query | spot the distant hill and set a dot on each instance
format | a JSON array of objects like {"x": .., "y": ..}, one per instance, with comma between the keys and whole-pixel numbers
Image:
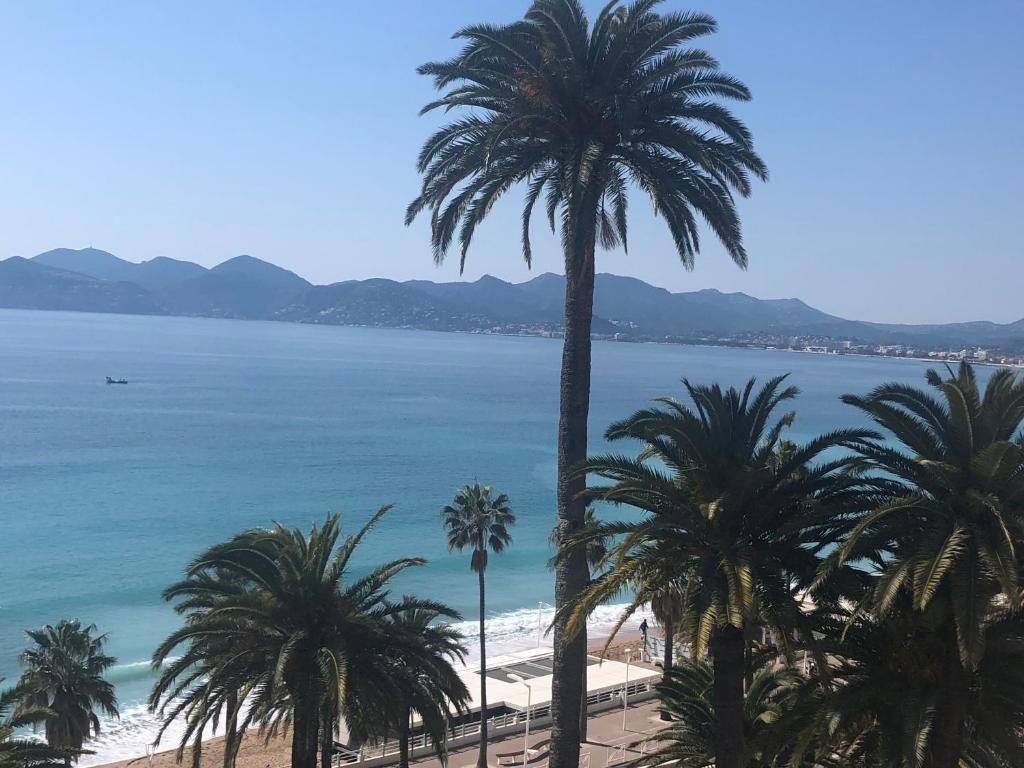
[
  {"x": 26, "y": 284},
  {"x": 245, "y": 287},
  {"x": 383, "y": 303},
  {"x": 493, "y": 298},
  {"x": 154, "y": 275}
]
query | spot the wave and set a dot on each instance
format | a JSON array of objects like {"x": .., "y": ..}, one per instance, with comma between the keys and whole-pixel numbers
[
  {"x": 133, "y": 734},
  {"x": 132, "y": 671},
  {"x": 529, "y": 628}
]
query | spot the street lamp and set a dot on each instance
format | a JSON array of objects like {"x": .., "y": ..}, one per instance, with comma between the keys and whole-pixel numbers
[
  {"x": 625, "y": 688},
  {"x": 540, "y": 623},
  {"x": 529, "y": 703}
]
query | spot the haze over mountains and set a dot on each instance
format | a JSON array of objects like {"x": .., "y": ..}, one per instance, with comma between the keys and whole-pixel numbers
[{"x": 91, "y": 280}]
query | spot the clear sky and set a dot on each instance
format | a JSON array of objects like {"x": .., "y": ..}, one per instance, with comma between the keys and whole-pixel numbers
[{"x": 288, "y": 131}]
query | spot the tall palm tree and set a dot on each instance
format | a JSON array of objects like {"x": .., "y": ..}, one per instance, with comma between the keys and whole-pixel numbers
[
  {"x": 667, "y": 606},
  {"x": 16, "y": 752},
  {"x": 952, "y": 525},
  {"x": 578, "y": 113},
  {"x": 294, "y": 624},
  {"x": 479, "y": 522},
  {"x": 725, "y": 517},
  {"x": 63, "y": 682}
]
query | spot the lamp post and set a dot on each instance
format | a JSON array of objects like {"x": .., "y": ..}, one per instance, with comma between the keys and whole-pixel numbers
[
  {"x": 529, "y": 703},
  {"x": 625, "y": 688}
]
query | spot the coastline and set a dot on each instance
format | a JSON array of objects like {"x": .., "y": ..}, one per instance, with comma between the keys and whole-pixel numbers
[{"x": 548, "y": 335}]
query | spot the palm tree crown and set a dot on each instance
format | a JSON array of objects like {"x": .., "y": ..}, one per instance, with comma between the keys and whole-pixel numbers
[
  {"x": 63, "y": 681},
  {"x": 726, "y": 518},
  {"x": 954, "y": 519},
  {"x": 427, "y": 682},
  {"x": 876, "y": 698},
  {"x": 948, "y": 527},
  {"x": 580, "y": 112},
  {"x": 22, "y": 753},
  {"x": 731, "y": 523},
  {"x": 479, "y": 522},
  {"x": 272, "y": 618}
]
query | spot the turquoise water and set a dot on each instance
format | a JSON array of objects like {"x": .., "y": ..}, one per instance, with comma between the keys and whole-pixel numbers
[{"x": 107, "y": 491}]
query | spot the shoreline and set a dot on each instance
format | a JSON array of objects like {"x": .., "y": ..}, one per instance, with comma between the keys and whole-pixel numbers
[{"x": 553, "y": 335}]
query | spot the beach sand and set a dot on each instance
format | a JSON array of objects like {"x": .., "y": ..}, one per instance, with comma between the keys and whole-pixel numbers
[{"x": 256, "y": 752}]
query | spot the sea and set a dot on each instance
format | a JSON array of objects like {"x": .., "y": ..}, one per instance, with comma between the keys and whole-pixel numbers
[{"x": 107, "y": 491}]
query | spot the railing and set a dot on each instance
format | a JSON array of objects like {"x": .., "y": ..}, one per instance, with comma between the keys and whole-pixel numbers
[{"x": 381, "y": 751}]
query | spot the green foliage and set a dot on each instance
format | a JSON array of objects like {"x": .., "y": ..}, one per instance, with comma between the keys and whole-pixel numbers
[
  {"x": 427, "y": 683},
  {"x": 479, "y": 522},
  {"x": 952, "y": 521},
  {"x": 728, "y": 523},
  {"x": 893, "y": 562},
  {"x": 578, "y": 112},
  {"x": 16, "y": 752},
  {"x": 277, "y": 633},
  {"x": 63, "y": 687},
  {"x": 685, "y": 696},
  {"x": 875, "y": 702}
]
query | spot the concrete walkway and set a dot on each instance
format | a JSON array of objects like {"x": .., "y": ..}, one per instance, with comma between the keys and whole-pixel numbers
[{"x": 607, "y": 744}]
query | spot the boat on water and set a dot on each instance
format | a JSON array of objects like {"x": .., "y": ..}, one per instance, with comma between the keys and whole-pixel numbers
[{"x": 112, "y": 380}]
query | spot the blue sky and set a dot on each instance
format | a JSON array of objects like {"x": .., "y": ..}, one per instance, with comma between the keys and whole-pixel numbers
[{"x": 289, "y": 131}]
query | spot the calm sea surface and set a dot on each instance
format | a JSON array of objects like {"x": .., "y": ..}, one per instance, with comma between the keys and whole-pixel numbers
[{"x": 107, "y": 491}]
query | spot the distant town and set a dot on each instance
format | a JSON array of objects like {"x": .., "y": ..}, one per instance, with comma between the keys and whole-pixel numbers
[{"x": 767, "y": 341}]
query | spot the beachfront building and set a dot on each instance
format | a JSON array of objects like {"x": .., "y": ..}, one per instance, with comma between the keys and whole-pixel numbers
[{"x": 519, "y": 697}]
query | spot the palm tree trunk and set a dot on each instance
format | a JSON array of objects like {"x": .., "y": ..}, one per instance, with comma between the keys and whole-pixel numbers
[
  {"x": 231, "y": 737},
  {"x": 748, "y": 664},
  {"x": 326, "y": 735},
  {"x": 583, "y": 694},
  {"x": 403, "y": 740},
  {"x": 572, "y": 572},
  {"x": 947, "y": 739},
  {"x": 305, "y": 734},
  {"x": 727, "y": 648},
  {"x": 666, "y": 662},
  {"x": 481, "y": 760}
]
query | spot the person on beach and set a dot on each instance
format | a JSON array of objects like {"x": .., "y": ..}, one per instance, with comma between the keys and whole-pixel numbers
[{"x": 643, "y": 634}]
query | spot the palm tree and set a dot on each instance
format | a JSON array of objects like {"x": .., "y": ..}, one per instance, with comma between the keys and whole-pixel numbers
[
  {"x": 726, "y": 518},
  {"x": 951, "y": 525},
  {"x": 428, "y": 683},
  {"x": 579, "y": 113},
  {"x": 689, "y": 742},
  {"x": 209, "y": 658},
  {"x": 273, "y": 620},
  {"x": 479, "y": 522},
  {"x": 63, "y": 683},
  {"x": 874, "y": 702},
  {"x": 23, "y": 753},
  {"x": 667, "y": 607}
]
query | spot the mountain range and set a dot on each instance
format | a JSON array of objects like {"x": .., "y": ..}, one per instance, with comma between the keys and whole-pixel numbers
[{"x": 92, "y": 280}]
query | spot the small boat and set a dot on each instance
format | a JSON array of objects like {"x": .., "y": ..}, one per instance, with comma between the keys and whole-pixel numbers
[{"x": 111, "y": 380}]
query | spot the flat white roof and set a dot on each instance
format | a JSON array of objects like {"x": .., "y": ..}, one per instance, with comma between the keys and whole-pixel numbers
[{"x": 534, "y": 666}]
